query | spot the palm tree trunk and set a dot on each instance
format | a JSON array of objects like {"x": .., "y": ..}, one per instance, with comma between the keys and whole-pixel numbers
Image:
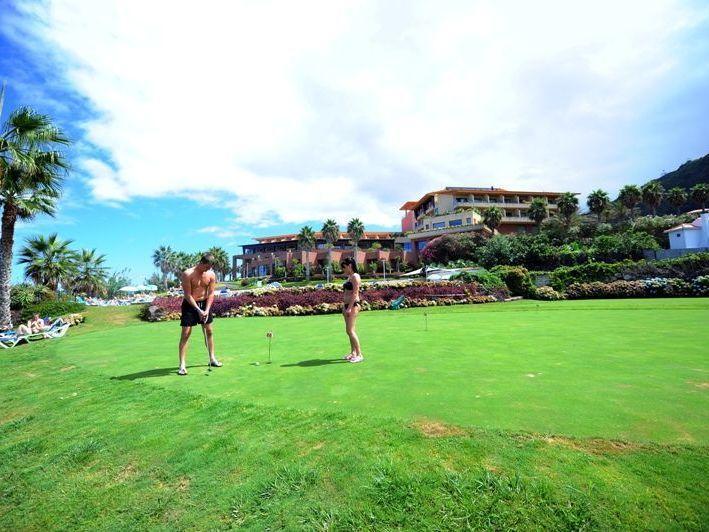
[
  {"x": 7, "y": 238},
  {"x": 329, "y": 263}
]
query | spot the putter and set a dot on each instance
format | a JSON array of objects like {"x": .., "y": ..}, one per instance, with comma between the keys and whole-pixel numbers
[{"x": 206, "y": 345}]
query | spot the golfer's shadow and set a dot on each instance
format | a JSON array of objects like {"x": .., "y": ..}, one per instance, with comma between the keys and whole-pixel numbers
[
  {"x": 157, "y": 372},
  {"x": 314, "y": 362}
]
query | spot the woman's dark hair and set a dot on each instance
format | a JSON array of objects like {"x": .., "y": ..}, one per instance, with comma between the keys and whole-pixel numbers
[{"x": 349, "y": 261}]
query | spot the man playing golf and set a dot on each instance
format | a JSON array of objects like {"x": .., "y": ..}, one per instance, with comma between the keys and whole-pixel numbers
[{"x": 198, "y": 287}]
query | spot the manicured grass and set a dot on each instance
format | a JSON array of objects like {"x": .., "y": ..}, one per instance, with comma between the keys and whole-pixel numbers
[
  {"x": 634, "y": 370},
  {"x": 96, "y": 432}
]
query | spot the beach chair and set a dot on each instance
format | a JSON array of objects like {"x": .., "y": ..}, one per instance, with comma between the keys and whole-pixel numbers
[
  {"x": 397, "y": 303},
  {"x": 56, "y": 331}
]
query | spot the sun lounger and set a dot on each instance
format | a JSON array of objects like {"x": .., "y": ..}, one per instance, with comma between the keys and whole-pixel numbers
[
  {"x": 57, "y": 329},
  {"x": 397, "y": 303}
]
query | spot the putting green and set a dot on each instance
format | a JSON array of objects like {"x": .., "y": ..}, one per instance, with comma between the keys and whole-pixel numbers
[{"x": 628, "y": 369}]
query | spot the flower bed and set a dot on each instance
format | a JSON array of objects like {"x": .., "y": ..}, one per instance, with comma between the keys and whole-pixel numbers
[
  {"x": 656, "y": 287},
  {"x": 302, "y": 301}
]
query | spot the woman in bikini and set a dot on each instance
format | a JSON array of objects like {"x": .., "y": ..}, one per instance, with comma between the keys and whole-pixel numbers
[{"x": 351, "y": 306}]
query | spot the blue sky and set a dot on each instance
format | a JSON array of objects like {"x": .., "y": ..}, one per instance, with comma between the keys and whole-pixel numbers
[{"x": 229, "y": 120}]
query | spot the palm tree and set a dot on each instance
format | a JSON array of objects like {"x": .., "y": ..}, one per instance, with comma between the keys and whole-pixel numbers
[
  {"x": 48, "y": 261},
  {"x": 568, "y": 205},
  {"x": 30, "y": 182},
  {"x": 90, "y": 276},
  {"x": 221, "y": 261},
  {"x": 537, "y": 210},
  {"x": 597, "y": 202},
  {"x": 677, "y": 197},
  {"x": 700, "y": 194},
  {"x": 652, "y": 195},
  {"x": 492, "y": 217},
  {"x": 629, "y": 196},
  {"x": 306, "y": 242},
  {"x": 355, "y": 229},
  {"x": 331, "y": 233},
  {"x": 162, "y": 258},
  {"x": 180, "y": 261}
]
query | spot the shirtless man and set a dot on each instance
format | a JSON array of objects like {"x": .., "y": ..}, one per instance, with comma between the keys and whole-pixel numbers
[{"x": 198, "y": 287}]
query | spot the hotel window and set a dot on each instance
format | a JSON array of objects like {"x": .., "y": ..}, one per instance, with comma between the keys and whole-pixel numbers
[
  {"x": 468, "y": 221},
  {"x": 407, "y": 246},
  {"x": 455, "y": 223},
  {"x": 461, "y": 200},
  {"x": 439, "y": 225}
]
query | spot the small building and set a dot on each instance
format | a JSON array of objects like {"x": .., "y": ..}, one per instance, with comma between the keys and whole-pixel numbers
[{"x": 690, "y": 236}]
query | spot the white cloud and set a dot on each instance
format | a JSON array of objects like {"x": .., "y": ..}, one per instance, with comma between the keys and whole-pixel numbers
[
  {"x": 290, "y": 111},
  {"x": 217, "y": 231}
]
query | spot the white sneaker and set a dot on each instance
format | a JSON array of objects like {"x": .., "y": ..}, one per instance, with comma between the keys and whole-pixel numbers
[{"x": 356, "y": 358}]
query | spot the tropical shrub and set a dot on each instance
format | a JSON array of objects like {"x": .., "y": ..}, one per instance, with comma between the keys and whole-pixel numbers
[
  {"x": 52, "y": 309},
  {"x": 448, "y": 248},
  {"x": 23, "y": 295},
  {"x": 486, "y": 279},
  {"x": 621, "y": 246},
  {"x": 517, "y": 279},
  {"x": 656, "y": 225},
  {"x": 585, "y": 273}
]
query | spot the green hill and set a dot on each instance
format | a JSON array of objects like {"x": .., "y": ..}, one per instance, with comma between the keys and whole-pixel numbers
[{"x": 686, "y": 176}]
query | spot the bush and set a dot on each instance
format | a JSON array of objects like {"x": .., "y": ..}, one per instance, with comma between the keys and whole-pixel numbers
[
  {"x": 656, "y": 225},
  {"x": 23, "y": 295},
  {"x": 687, "y": 267},
  {"x": 517, "y": 280},
  {"x": 585, "y": 273},
  {"x": 448, "y": 248},
  {"x": 52, "y": 309},
  {"x": 621, "y": 246},
  {"x": 657, "y": 287},
  {"x": 489, "y": 281},
  {"x": 547, "y": 293}
]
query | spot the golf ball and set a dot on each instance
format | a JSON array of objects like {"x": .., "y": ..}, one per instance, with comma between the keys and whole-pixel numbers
[{"x": 257, "y": 364}]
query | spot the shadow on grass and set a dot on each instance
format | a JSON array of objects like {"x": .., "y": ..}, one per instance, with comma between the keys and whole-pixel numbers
[
  {"x": 314, "y": 362},
  {"x": 157, "y": 372}
]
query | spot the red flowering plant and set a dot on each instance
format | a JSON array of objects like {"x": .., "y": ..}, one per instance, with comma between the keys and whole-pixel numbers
[{"x": 329, "y": 299}]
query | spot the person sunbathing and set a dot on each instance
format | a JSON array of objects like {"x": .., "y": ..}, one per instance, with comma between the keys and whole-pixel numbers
[{"x": 35, "y": 325}]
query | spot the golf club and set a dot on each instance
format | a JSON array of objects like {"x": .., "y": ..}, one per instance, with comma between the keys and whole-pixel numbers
[{"x": 206, "y": 345}]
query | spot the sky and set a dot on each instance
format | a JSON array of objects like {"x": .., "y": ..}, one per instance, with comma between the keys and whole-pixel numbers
[{"x": 208, "y": 123}]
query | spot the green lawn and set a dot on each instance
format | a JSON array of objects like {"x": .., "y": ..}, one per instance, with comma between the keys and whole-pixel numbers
[{"x": 565, "y": 415}]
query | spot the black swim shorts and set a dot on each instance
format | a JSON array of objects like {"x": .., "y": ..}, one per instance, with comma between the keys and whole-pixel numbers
[{"x": 190, "y": 317}]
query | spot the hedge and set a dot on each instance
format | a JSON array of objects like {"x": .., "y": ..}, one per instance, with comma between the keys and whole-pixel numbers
[
  {"x": 687, "y": 267},
  {"x": 52, "y": 309},
  {"x": 309, "y": 300},
  {"x": 656, "y": 287}
]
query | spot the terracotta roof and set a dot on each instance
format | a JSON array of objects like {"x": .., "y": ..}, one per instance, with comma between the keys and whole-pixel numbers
[
  {"x": 681, "y": 226},
  {"x": 410, "y": 205},
  {"x": 368, "y": 235}
]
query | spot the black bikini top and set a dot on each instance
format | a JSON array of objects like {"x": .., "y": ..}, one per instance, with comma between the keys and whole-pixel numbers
[{"x": 347, "y": 285}]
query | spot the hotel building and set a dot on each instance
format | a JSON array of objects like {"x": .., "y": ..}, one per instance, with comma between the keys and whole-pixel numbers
[
  {"x": 450, "y": 210},
  {"x": 459, "y": 210},
  {"x": 271, "y": 251}
]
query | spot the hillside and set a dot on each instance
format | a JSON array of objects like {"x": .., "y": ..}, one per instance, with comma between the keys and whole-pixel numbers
[{"x": 686, "y": 176}]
